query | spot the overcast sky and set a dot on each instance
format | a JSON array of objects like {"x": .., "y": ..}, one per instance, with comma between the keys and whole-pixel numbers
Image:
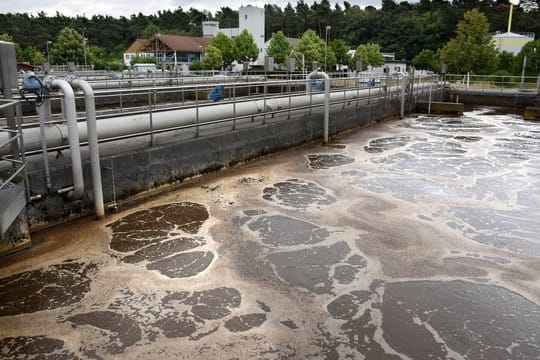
[{"x": 119, "y": 8}]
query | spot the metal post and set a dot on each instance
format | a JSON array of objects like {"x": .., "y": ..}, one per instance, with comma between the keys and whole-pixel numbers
[
  {"x": 234, "y": 106},
  {"x": 289, "y": 114},
  {"x": 197, "y": 111},
  {"x": 18, "y": 120},
  {"x": 344, "y": 96},
  {"x": 523, "y": 71},
  {"x": 264, "y": 103},
  {"x": 328, "y": 27},
  {"x": 357, "y": 91},
  {"x": 429, "y": 101},
  {"x": 402, "y": 110},
  {"x": 151, "y": 118},
  {"x": 48, "y": 55}
]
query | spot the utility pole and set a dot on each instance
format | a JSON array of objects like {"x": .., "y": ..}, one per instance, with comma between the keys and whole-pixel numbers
[
  {"x": 47, "y": 43},
  {"x": 328, "y": 27}
]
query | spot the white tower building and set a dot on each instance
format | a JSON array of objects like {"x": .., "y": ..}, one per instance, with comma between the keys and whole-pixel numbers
[{"x": 251, "y": 18}]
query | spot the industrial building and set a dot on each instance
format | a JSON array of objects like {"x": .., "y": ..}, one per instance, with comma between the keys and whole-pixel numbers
[{"x": 177, "y": 52}]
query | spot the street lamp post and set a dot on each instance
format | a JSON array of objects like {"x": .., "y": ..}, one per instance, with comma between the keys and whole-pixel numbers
[
  {"x": 84, "y": 51},
  {"x": 156, "y": 52},
  {"x": 328, "y": 27},
  {"x": 47, "y": 43}
]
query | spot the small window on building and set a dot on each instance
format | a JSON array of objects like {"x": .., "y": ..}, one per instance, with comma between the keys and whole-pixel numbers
[{"x": 245, "y": 16}]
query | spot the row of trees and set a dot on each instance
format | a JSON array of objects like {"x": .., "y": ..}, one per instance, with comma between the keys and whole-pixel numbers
[
  {"x": 469, "y": 50},
  {"x": 405, "y": 28},
  {"x": 222, "y": 51}
]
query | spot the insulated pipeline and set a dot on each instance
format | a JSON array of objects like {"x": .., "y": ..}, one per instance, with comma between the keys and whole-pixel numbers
[{"x": 126, "y": 125}]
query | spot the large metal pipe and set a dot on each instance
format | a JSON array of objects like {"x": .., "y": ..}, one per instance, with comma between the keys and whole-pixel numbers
[
  {"x": 73, "y": 136},
  {"x": 90, "y": 108},
  {"x": 44, "y": 114},
  {"x": 326, "y": 78},
  {"x": 132, "y": 124}
]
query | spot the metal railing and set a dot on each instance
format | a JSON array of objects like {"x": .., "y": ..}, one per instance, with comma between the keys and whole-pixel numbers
[
  {"x": 368, "y": 93},
  {"x": 14, "y": 167},
  {"x": 493, "y": 83}
]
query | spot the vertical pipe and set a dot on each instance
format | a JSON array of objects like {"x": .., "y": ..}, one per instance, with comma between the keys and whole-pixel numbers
[
  {"x": 44, "y": 113},
  {"x": 93, "y": 147},
  {"x": 73, "y": 137},
  {"x": 326, "y": 100},
  {"x": 326, "y": 106},
  {"x": 402, "y": 109}
]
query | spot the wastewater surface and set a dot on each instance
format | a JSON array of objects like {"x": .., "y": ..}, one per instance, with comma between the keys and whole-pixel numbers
[{"x": 411, "y": 239}]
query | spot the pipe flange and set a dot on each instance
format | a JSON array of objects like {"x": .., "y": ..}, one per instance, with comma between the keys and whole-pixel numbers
[{"x": 47, "y": 82}]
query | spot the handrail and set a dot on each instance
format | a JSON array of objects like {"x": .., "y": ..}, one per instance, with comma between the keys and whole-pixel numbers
[{"x": 14, "y": 136}]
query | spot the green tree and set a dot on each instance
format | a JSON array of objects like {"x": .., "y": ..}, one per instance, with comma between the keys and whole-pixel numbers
[
  {"x": 312, "y": 47},
  {"x": 472, "y": 49},
  {"x": 68, "y": 46},
  {"x": 341, "y": 51},
  {"x": 212, "y": 58},
  {"x": 195, "y": 65},
  {"x": 279, "y": 48},
  {"x": 290, "y": 20},
  {"x": 227, "y": 17},
  {"x": 532, "y": 51},
  {"x": 273, "y": 20},
  {"x": 369, "y": 54},
  {"x": 245, "y": 48},
  {"x": 225, "y": 46},
  {"x": 427, "y": 60},
  {"x": 33, "y": 56},
  {"x": 507, "y": 62},
  {"x": 150, "y": 30}
]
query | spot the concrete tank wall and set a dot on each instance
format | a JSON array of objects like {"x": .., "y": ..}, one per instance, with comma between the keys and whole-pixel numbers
[{"x": 141, "y": 170}]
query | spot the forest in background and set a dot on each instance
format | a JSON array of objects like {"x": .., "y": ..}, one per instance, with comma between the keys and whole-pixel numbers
[{"x": 404, "y": 28}]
